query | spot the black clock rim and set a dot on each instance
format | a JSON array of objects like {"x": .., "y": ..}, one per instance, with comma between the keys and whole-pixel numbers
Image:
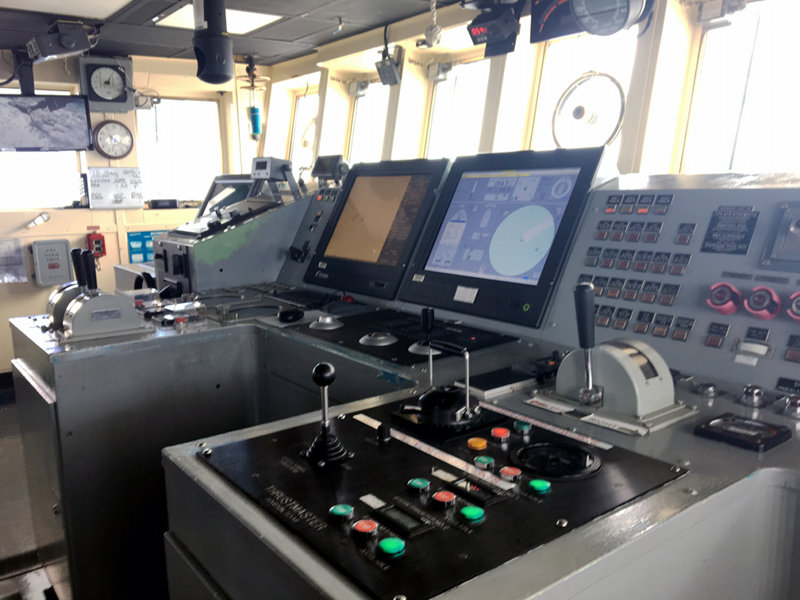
[
  {"x": 97, "y": 128},
  {"x": 91, "y": 68}
]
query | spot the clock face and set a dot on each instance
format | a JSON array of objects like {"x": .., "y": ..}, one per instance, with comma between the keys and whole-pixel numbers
[
  {"x": 113, "y": 139},
  {"x": 107, "y": 83}
]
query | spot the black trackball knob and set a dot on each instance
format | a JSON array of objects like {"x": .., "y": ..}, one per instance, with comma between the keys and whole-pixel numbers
[{"x": 323, "y": 374}]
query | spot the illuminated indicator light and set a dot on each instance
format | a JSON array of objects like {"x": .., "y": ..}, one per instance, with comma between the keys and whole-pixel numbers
[
  {"x": 484, "y": 462},
  {"x": 473, "y": 338},
  {"x": 445, "y": 498},
  {"x": 522, "y": 427},
  {"x": 392, "y": 546},
  {"x": 642, "y": 211},
  {"x": 341, "y": 511},
  {"x": 365, "y": 526},
  {"x": 539, "y": 486},
  {"x": 526, "y": 307},
  {"x": 510, "y": 473},
  {"x": 501, "y": 434},
  {"x": 419, "y": 483},
  {"x": 473, "y": 514},
  {"x": 477, "y": 443}
]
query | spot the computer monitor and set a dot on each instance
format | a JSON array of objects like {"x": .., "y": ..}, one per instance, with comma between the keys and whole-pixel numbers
[
  {"x": 499, "y": 234},
  {"x": 374, "y": 228},
  {"x": 44, "y": 123}
]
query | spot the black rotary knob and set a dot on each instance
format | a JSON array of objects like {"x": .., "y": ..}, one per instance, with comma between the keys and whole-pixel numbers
[{"x": 323, "y": 374}]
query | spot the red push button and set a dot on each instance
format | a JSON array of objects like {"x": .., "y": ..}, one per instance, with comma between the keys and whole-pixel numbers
[
  {"x": 444, "y": 498},
  {"x": 500, "y": 434}
]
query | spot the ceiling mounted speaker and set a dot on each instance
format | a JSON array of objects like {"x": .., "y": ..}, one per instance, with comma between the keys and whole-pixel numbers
[
  {"x": 212, "y": 46},
  {"x": 589, "y": 112}
]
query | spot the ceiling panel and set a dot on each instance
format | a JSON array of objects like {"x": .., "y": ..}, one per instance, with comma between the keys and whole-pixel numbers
[
  {"x": 294, "y": 29},
  {"x": 127, "y": 27},
  {"x": 92, "y": 9}
]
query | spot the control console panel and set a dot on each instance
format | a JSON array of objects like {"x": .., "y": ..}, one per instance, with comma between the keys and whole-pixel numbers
[
  {"x": 704, "y": 269},
  {"x": 412, "y": 512}
]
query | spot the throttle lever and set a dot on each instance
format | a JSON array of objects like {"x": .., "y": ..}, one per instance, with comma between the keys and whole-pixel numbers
[
  {"x": 453, "y": 348},
  {"x": 80, "y": 274},
  {"x": 584, "y": 313},
  {"x": 89, "y": 271},
  {"x": 427, "y": 321}
]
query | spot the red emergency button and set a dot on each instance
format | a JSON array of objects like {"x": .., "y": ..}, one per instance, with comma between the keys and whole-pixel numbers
[
  {"x": 444, "y": 499},
  {"x": 510, "y": 473},
  {"x": 500, "y": 434},
  {"x": 365, "y": 527}
]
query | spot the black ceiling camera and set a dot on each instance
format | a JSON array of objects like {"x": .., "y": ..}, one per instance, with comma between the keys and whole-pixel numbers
[
  {"x": 213, "y": 48},
  {"x": 497, "y": 26}
]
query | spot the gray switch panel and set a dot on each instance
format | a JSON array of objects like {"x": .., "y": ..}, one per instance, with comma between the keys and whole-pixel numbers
[
  {"x": 51, "y": 262},
  {"x": 706, "y": 269}
]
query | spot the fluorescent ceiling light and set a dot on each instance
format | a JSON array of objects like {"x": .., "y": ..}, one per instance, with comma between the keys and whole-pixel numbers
[
  {"x": 90, "y": 9},
  {"x": 239, "y": 21}
]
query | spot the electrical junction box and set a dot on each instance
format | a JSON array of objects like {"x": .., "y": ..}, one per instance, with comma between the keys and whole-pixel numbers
[{"x": 51, "y": 262}]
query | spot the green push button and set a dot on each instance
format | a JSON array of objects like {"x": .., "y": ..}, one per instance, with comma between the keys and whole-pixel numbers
[
  {"x": 341, "y": 511},
  {"x": 522, "y": 427},
  {"x": 539, "y": 486},
  {"x": 392, "y": 547},
  {"x": 484, "y": 462},
  {"x": 473, "y": 514},
  {"x": 419, "y": 483}
]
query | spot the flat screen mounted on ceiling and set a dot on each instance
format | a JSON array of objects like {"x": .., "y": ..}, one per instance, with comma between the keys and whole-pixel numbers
[{"x": 44, "y": 123}]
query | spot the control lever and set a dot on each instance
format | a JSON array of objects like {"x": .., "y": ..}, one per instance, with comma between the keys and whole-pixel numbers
[
  {"x": 584, "y": 312},
  {"x": 89, "y": 271},
  {"x": 77, "y": 263},
  {"x": 469, "y": 410},
  {"x": 326, "y": 449},
  {"x": 427, "y": 321}
]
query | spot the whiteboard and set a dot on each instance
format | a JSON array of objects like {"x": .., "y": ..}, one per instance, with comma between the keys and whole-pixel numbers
[{"x": 115, "y": 187}]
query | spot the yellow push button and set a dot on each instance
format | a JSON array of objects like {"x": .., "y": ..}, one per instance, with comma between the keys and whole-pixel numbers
[{"x": 477, "y": 444}]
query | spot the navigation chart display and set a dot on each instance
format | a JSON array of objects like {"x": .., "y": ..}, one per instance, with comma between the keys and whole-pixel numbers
[{"x": 500, "y": 225}]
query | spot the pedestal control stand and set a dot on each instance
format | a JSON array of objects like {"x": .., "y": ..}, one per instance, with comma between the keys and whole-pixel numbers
[
  {"x": 326, "y": 449},
  {"x": 60, "y": 299},
  {"x": 584, "y": 313}
]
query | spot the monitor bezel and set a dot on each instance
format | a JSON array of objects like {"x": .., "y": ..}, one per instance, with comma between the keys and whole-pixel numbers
[
  {"x": 73, "y": 97},
  {"x": 369, "y": 279},
  {"x": 509, "y": 302}
]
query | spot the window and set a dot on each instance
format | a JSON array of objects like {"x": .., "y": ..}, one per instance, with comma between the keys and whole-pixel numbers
[
  {"x": 39, "y": 179},
  {"x": 369, "y": 124},
  {"x": 742, "y": 114},
  {"x": 304, "y": 129},
  {"x": 565, "y": 60},
  {"x": 457, "y": 115},
  {"x": 179, "y": 148}
]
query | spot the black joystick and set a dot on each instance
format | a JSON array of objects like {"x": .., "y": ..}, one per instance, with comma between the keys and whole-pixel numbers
[
  {"x": 89, "y": 271},
  {"x": 326, "y": 449},
  {"x": 77, "y": 263},
  {"x": 584, "y": 313}
]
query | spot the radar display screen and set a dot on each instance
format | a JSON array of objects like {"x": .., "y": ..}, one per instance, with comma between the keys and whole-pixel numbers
[
  {"x": 501, "y": 225},
  {"x": 375, "y": 226},
  {"x": 499, "y": 234},
  {"x": 377, "y": 218}
]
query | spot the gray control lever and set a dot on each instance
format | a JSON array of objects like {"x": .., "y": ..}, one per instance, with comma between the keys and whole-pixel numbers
[
  {"x": 452, "y": 348},
  {"x": 584, "y": 313}
]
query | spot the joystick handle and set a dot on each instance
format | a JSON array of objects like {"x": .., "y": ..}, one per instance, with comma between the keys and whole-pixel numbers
[
  {"x": 427, "y": 322},
  {"x": 584, "y": 312},
  {"x": 77, "y": 263},
  {"x": 89, "y": 270},
  {"x": 323, "y": 374}
]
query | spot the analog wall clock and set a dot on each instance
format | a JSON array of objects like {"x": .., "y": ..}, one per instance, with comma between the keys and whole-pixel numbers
[
  {"x": 107, "y": 83},
  {"x": 112, "y": 139}
]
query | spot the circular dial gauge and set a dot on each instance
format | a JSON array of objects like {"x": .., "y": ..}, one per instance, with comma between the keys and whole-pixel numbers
[
  {"x": 113, "y": 139},
  {"x": 107, "y": 83},
  {"x": 606, "y": 17}
]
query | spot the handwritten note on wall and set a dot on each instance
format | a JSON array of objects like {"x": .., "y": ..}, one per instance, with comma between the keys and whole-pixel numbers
[{"x": 112, "y": 187}]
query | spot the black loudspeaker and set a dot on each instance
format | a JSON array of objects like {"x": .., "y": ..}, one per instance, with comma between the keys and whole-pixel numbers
[{"x": 212, "y": 46}]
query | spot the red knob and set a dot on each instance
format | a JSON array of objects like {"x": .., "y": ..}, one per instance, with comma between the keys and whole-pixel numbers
[
  {"x": 724, "y": 298},
  {"x": 763, "y": 303},
  {"x": 794, "y": 307}
]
